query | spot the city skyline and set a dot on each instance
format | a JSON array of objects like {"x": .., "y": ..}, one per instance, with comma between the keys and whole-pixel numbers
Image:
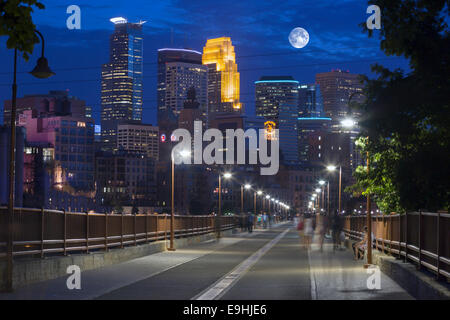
[{"x": 268, "y": 53}]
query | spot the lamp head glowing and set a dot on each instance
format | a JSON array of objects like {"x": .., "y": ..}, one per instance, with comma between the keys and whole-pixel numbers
[
  {"x": 348, "y": 123},
  {"x": 185, "y": 153},
  {"x": 247, "y": 186},
  {"x": 259, "y": 192},
  {"x": 318, "y": 190},
  {"x": 118, "y": 20},
  {"x": 267, "y": 197},
  {"x": 227, "y": 175},
  {"x": 331, "y": 168},
  {"x": 322, "y": 182}
]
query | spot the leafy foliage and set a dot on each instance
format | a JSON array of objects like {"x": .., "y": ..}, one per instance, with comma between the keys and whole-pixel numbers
[
  {"x": 17, "y": 24},
  {"x": 406, "y": 115}
]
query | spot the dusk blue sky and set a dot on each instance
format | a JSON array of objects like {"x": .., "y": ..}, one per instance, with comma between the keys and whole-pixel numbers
[{"x": 258, "y": 29}]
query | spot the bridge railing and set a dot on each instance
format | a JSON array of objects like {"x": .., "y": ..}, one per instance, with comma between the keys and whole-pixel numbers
[
  {"x": 419, "y": 237},
  {"x": 42, "y": 232}
]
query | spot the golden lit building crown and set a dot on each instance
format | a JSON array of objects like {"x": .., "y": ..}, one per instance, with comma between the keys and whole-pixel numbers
[{"x": 221, "y": 52}]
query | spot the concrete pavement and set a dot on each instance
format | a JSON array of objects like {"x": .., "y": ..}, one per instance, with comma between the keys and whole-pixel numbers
[{"x": 266, "y": 265}]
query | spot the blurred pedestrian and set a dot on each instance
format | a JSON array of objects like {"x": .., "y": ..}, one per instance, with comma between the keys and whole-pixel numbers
[
  {"x": 250, "y": 219},
  {"x": 308, "y": 231}
]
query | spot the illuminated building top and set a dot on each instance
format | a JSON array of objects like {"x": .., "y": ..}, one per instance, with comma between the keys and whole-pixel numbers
[
  {"x": 118, "y": 20},
  {"x": 220, "y": 52}
]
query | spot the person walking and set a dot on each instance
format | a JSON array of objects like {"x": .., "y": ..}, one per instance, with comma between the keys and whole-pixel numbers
[
  {"x": 336, "y": 231},
  {"x": 301, "y": 230},
  {"x": 308, "y": 231},
  {"x": 250, "y": 219},
  {"x": 323, "y": 227}
]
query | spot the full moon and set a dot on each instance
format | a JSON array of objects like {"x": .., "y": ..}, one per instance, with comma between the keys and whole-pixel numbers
[{"x": 299, "y": 38}]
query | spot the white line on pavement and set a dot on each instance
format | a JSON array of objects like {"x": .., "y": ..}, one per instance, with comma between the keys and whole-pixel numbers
[
  {"x": 312, "y": 276},
  {"x": 219, "y": 288}
]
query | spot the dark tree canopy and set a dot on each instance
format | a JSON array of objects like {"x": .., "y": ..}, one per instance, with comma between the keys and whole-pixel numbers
[
  {"x": 16, "y": 23},
  {"x": 407, "y": 115}
]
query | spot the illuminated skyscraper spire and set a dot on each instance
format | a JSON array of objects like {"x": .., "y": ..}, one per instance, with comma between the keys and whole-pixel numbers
[
  {"x": 122, "y": 80},
  {"x": 220, "y": 57}
]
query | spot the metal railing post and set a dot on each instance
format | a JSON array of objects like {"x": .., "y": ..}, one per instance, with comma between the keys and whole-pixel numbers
[
  {"x": 106, "y": 231},
  {"x": 420, "y": 240},
  {"x": 121, "y": 229},
  {"x": 146, "y": 227},
  {"x": 391, "y": 233},
  {"x": 399, "y": 236},
  {"x": 406, "y": 237},
  {"x": 384, "y": 232},
  {"x": 65, "y": 232},
  {"x": 42, "y": 231},
  {"x": 87, "y": 232},
  {"x": 165, "y": 227},
  {"x": 438, "y": 246},
  {"x": 134, "y": 229}
]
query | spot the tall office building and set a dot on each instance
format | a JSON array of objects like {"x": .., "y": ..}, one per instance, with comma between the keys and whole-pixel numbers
[
  {"x": 223, "y": 76},
  {"x": 122, "y": 80},
  {"x": 277, "y": 101},
  {"x": 273, "y": 91},
  {"x": 178, "y": 71},
  {"x": 336, "y": 87},
  {"x": 310, "y": 102}
]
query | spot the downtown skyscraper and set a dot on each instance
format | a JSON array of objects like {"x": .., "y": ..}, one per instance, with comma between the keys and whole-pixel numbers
[
  {"x": 336, "y": 88},
  {"x": 277, "y": 101},
  {"x": 180, "y": 70},
  {"x": 122, "y": 77},
  {"x": 223, "y": 77}
]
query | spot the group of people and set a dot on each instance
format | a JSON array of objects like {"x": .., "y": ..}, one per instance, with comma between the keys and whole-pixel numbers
[
  {"x": 310, "y": 224},
  {"x": 248, "y": 221}
]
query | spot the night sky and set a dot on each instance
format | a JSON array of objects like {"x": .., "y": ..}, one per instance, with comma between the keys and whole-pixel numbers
[{"x": 258, "y": 29}]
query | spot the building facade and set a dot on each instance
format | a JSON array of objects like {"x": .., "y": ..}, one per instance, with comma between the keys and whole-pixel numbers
[
  {"x": 55, "y": 103},
  {"x": 336, "y": 88},
  {"x": 139, "y": 138},
  {"x": 68, "y": 153},
  {"x": 277, "y": 101},
  {"x": 5, "y": 136},
  {"x": 310, "y": 102},
  {"x": 178, "y": 71},
  {"x": 223, "y": 77},
  {"x": 122, "y": 78}
]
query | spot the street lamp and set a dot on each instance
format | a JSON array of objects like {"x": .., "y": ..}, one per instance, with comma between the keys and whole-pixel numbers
[
  {"x": 41, "y": 71},
  {"x": 246, "y": 186},
  {"x": 226, "y": 175},
  {"x": 332, "y": 168},
  {"x": 348, "y": 123},
  {"x": 183, "y": 154}
]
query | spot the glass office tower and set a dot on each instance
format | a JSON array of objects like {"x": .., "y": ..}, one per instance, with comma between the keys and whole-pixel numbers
[{"x": 122, "y": 77}]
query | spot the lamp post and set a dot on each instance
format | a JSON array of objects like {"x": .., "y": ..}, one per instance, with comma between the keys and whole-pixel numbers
[
  {"x": 226, "y": 175},
  {"x": 183, "y": 154},
  {"x": 318, "y": 191},
  {"x": 246, "y": 186},
  {"x": 350, "y": 123},
  {"x": 259, "y": 193},
  {"x": 254, "y": 202},
  {"x": 333, "y": 168},
  {"x": 41, "y": 71}
]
